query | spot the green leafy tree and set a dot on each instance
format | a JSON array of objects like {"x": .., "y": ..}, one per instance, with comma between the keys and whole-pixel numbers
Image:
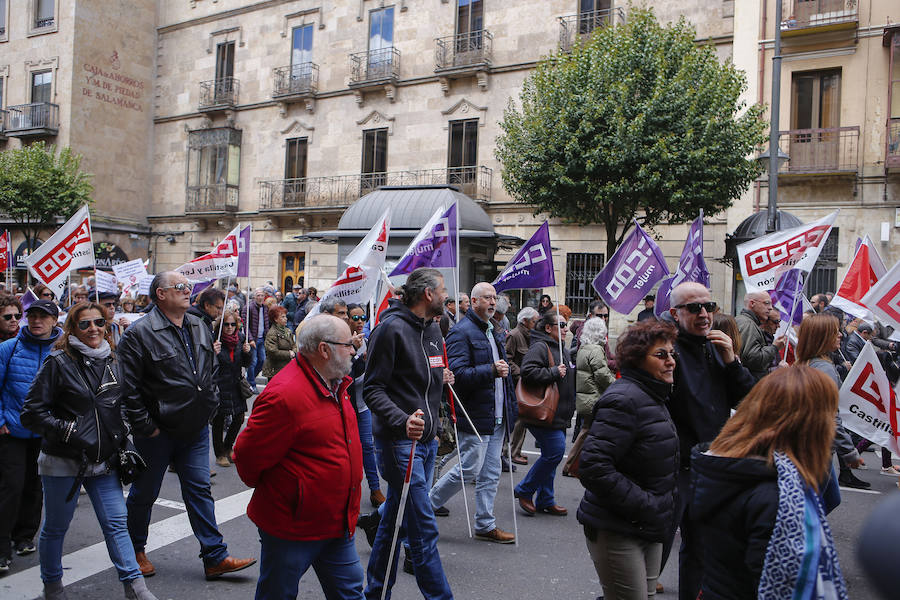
[
  {"x": 637, "y": 122},
  {"x": 38, "y": 185}
]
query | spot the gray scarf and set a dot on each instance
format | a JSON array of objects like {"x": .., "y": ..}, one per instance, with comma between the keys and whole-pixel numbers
[{"x": 95, "y": 353}]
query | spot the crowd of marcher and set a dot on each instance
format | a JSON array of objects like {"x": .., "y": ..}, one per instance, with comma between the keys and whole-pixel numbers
[{"x": 699, "y": 423}]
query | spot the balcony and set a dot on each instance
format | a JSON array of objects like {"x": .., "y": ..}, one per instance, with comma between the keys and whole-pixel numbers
[
  {"x": 573, "y": 28},
  {"x": 818, "y": 16},
  {"x": 219, "y": 94},
  {"x": 374, "y": 67},
  {"x": 215, "y": 198},
  {"x": 466, "y": 51},
  {"x": 340, "y": 191},
  {"x": 892, "y": 157},
  {"x": 37, "y": 119},
  {"x": 832, "y": 151},
  {"x": 296, "y": 81}
]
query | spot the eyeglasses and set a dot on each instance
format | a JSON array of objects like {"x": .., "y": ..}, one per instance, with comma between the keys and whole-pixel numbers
[
  {"x": 665, "y": 354},
  {"x": 696, "y": 307},
  {"x": 358, "y": 317},
  {"x": 9, "y": 316},
  {"x": 108, "y": 304},
  {"x": 85, "y": 324},
  {"x": 46, "y": 294},
  {"x": 230, "y": 324},
  {"x": 348, "y": 344},
  {"x": 181, "y": 287}
]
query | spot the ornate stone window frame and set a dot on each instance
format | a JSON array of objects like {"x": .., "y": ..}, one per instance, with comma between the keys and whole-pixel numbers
[
  {"x": 4, "y": 85},
  {"x": 375, "y": 120},
  {"x": 287, "y": 26},
  {"x": 31, "y": 30},
  {"x": 227, "y": 36},
  {"x": 43, "y": 64},
  {"x": 379, "y": 4},
  {"x": 465, "y": 109},
  {"x": 297, "y": 129}
]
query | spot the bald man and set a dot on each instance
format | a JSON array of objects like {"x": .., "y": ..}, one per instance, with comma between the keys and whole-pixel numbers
[{"x": 756, "y": 354}]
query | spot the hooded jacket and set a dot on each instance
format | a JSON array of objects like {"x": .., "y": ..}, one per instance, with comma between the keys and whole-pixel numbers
[
  {"x": 404, "y": 372},
  {"x": 20, "y": 360},
  {"x": 536, "y": 372},
  {"x": 734, "y": 507},
  {"x": 629, "y": 460}
]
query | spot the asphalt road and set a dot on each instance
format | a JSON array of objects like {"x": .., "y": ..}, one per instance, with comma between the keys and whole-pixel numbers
[{"x": 549, "y": 562}]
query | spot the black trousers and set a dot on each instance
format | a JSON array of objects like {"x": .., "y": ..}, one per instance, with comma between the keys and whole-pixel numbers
[
  {"x": 222, "y": 445},
  {"x": 21, "y": 493},
  {"x": 690, "y": 555}
]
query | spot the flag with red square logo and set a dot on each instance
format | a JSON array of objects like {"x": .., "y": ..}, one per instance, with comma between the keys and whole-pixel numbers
[
  {"x": 883, "y": 298},
  {"x": 867, "y": 404},
  {"x": 5, "y": 259},
  {"x": 68, "y": 249}
]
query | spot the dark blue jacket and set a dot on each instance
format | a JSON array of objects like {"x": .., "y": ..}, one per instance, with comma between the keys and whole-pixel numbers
[
  {"x": 20, "y": 360},
  {"x": 472, "y": 363}
]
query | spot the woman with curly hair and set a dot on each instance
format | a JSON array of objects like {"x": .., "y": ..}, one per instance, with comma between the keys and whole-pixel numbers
[
  {"x": 280, "y": 345},
  {"x": 628, "y": 465}
]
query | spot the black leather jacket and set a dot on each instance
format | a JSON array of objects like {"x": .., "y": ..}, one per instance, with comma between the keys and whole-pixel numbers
[
  {"x": 74, "y": 404},
  {"x": 160, "y": 387}
]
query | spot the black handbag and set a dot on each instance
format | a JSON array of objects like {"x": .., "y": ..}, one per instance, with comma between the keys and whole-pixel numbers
[{"x": 130, "y": 463}]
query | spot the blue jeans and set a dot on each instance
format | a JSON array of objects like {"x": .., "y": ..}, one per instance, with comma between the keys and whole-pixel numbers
[
  {"x": 421, "y": 528},
  {"x": 481, "y": 464},
  {"x": 109, "y": 506},
  {"x": 370, "y": 463},
  {"x": 283, "y": 562},
  {"x": 191, "y": 460},
  {"x": 257, "y": 358},
  {"x": 540, "y": 477}
]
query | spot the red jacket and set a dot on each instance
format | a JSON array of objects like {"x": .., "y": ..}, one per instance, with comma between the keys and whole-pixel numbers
[{"x": 301, "y": 451}]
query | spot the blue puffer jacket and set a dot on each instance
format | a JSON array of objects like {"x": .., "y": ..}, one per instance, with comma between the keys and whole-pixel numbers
[{"x": 20, "y": 360}]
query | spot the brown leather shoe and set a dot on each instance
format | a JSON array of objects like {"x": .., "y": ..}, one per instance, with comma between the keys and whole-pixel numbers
[
  {"x": 520, "y": 460},
  {"x": 229, "y": 564},
  {"x": 659, "y": 588},
  {"x": 147, "y": 568},
  {"x": 526, "y": 505},
  {"x": 376, "y": 498},
  {"x": 496, "y": 535},
  {"x": 556, "y": 510}
]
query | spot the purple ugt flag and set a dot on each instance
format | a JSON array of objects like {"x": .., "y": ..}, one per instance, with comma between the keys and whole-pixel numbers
[
  {"x": 433, "y": 246},
  {"x": 243, "y": 269},
  {"x": 787, "y": 296},
  {"x": 531, "y": 267},
  {"x": 691, "y": 267},
  {"x": 632, "y": 272}
]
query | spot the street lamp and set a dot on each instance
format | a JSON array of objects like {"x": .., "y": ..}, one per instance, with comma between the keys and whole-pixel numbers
[
  {"x": 774, "y": 152},
  {"x": 764, "y": 159}
]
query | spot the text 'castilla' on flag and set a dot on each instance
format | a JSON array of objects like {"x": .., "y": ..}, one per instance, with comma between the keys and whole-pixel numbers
[
  {"x": 867, "y": 403},
  {"x": 69, "y": 248},
  {"x": 220, "y": 263},
  {"x": 631, "y": 273},
  {"x": 531, "y": 267}
]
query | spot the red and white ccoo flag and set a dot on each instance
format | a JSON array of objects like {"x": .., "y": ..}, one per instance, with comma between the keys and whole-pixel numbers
[
  {"x": 864, "y": 272},
  {"x": 69, "y": 248},
  {"x": 883, "y": 298},
  {"x": 867, "y": 403}
]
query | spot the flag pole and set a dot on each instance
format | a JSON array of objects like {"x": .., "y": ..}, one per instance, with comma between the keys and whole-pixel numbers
[
  {"x": 558, "y": 326},
  {"x": 456, "y": 272},
  {"x": 94, "y": 257}
]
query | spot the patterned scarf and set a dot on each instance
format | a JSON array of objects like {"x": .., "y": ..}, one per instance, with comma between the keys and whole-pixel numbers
[{"x": 801, "y": 562}]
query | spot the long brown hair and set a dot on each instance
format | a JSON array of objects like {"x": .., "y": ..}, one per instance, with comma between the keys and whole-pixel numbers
[
  {"x": 71, "y": 325},
  {"x": 816, "y": 336},
  {"x": 791, "y": 410},
  {"x": 726, "y": 324}
]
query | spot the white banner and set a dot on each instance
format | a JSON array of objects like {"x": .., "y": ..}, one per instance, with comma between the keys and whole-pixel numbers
[
  {"x": 372, "y": 250},
  {"x": 883, "y": 298},
  {"x": 68, "y": 249},
  {"x": 764, "y": 259},
  {"x": 868, "y": 405},
  {"x": 220, "y": 263},
  {"x": 106, "y": 282},
  {"x": 355, "y": 285}
]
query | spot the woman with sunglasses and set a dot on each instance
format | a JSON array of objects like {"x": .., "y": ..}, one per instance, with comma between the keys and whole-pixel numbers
[
  {"x": 235, "y": 353},
  {"x": 43, "y": 292},
  {"x": 628, "y": 465},
  {"x": 75, "y": 405},
  {"x": 280, "y": 345},
  {"x": 10, "y": 315},
  {"x": 127, "y": 304}
]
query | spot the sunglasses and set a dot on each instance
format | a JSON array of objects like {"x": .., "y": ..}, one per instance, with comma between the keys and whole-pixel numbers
[
  {"x": 15, "y": 316},
  {"x": 665, "y": 354},
  {"x": 108, "y": 304},
  {"x": 695, "y": 307},
  {"x": 562, "y": 324},
  {"x": 603, "y": 316},
  {"x": 230, "y": 324},
  {"x": 181, "y": 287},
  {"x": 358, "y": 317},
  {"x": 85, "y": 324},
  {"x": 46, "y": 294}
]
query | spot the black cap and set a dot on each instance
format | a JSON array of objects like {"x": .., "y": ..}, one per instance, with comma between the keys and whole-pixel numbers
[
  {"x": 108, "y": 296},
  {"x": 44, "y": 306},
  {"x": 862, "y": 327}
]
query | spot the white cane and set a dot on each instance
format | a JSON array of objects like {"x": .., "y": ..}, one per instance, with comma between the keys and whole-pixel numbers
[
  {"x": 465, "y": 414},
  {"x": 462, "y": 479},
  {"x": 404, "y": 493}
]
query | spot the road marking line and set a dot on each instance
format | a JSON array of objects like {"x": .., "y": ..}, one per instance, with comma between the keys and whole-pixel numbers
[
  {"x": 847, "y": 489},
  {"x": 538, "y": 453},
  {"x": 81, "y": 564},
  {"x": 163, "y": 502}
]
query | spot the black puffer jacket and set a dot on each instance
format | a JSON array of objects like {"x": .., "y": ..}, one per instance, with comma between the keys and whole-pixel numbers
[
  {"x": 629, "y": 460},
  {"x": 74, "y": 404},
  {"x": 160, "y": 386},
  {"x": 404, "y": 372},
  {"x": 734, "y": 507},
  {"x": 536, "y": 372},
  {"x": 229, "y": 378}
]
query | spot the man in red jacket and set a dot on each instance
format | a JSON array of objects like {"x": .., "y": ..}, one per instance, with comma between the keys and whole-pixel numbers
[{"x": 302, "y": 453}]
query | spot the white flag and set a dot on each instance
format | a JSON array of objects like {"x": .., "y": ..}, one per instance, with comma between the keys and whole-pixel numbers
[
  {"x": 354, "y": 286},
  {"x": 106, "y": 282},
  {"x": 868, "y": 405},
  {"x": 68, "y": 249},
  {"x": 221, "y": 262},
  {"x": 883, "y": 298},
  {"x": 764, "y": 259},
  {"x": 372, "y": 251}
]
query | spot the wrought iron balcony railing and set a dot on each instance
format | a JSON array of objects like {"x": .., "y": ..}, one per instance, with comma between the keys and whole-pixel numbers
[
  {"x": 45, "y": 22},
  {"x": 820, "y": 151},
  {"x": 892, "y": 158},
  {"x": 374, "y": 66},
  {"x": 572, "y": 28},
  {"x": 297, "y": 80},
  {"x": 214, "y": 198},
  {"x": 807, "y": 14},
  {"x": 340, "y": 191},
  {"x": 222, "y": 92},
  {"x": 464, "y": 50},
  {"x": 37, "y": 118}
]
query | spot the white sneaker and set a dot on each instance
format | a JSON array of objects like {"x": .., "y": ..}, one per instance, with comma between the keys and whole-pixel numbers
[{"x": 890, "y": 471}]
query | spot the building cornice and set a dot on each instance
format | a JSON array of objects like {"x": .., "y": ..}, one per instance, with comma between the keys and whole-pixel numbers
[{"x": 225, "y": 14}]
